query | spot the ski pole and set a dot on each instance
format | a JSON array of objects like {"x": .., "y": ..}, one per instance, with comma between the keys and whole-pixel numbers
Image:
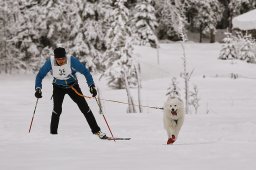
[
  {"x": 101, "y": 112},
  {"x": 33, "y": 116}
]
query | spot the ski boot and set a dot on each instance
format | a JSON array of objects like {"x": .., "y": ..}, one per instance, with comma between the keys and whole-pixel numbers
[{"x": 101, "y": 135}]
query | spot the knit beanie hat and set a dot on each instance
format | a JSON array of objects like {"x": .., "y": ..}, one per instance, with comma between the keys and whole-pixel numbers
[{"x": 59, "y": 52}]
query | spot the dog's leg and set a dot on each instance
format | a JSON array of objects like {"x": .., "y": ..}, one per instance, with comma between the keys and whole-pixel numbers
[
  {"x": 171, "y": 128},
  {"x": 178, "y": 127},
  {"x": 171, "y": 136},
  {"x": 171, "y": 132}
]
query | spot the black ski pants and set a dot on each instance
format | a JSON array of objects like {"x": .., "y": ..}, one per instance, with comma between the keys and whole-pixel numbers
[{"x": 58, "y": 97}]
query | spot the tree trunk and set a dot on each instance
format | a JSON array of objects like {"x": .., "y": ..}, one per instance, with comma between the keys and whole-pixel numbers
[
  {"x": 157, "y": 53},
  {"x": 139, "y": 87},
  {"x": 230, "y": 23},
  {"x": 119, "y": 83},
  {"x": 201, "y": 33},
  {"x": 6, "y": 68},
  {"x": 212, "y": 37},
  {"x": 5, "y": 38},
  {"x": 131, "y": 107},
  {"x": 186, "y": 79}
]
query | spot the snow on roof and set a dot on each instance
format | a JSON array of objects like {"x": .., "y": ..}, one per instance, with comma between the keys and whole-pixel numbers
[{"x": 246, "y": 21}]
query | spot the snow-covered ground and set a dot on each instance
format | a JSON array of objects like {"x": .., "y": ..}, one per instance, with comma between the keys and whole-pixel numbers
[{"x": 221, "y": 136}]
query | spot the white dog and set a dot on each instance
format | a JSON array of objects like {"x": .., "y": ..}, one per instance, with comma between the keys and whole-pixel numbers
[{"x": 173, "y": 117}]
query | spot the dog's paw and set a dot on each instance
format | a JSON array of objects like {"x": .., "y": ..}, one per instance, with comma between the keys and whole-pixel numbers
[{"x": 171, "y": 140}]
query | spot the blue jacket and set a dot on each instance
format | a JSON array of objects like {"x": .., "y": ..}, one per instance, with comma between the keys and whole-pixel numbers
[{"x": 76, "y": 66}]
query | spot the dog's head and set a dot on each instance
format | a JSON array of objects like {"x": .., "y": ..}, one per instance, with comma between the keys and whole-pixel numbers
[{"x": 174, "y": 106}]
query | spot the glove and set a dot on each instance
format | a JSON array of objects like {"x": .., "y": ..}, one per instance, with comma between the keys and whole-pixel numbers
[
  {"x": 38, "y": 93},
  {"x": 93, "y": 90}
]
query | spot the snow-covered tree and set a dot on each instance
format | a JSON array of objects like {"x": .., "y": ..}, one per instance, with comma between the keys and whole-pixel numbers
[
  {"x": 238, "y": 46},
  {"x": 173, "y": 90},
  {"x": 76, "y": 24},
  {"x": 87, "y": 31},
  {"x": 237, "y": 7},
  {"x": 228, "y": 50},
  {"x": 3, "y": 37},
  {"x": 186, "y": 76},
  {"x": 209, "y": 12},
  {"x": 194, "y": 99},
  {"x": 131, "y": 105},
  {"x": 170, "y": 14},
  {"x": 119, "y": 55},
  {"x": 39, "y": 24},
  {"x": 10, "y": 55},
  {"x": 145, "y": 24},
  {"x": 246, "y": 51}
]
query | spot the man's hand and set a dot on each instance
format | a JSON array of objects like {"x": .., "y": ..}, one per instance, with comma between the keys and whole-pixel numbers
[
  {"x": 93, "y": 90},
  {"x": 38, "y": 93}
]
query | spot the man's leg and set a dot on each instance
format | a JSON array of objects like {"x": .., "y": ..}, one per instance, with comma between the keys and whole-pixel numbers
[
  {"x": 58, "y": 96},
  {"x": 83, "y": 106}
]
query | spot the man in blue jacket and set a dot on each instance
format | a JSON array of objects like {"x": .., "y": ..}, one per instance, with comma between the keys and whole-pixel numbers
[{"x": 63, "y": 69}]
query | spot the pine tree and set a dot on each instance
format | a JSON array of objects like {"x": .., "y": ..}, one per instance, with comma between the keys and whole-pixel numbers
[
  {"x": 87, "y": 32},
  {"x": 145, "y": 24},
  {"x": 228, "y": 50},
  {"x": 76, "y": 25},
  {"x": 119, "y": 54},
  {"x": 190, "y": 10},
  {"x": 194, "y": 99},
  {"x": 10, "y": 55},
  {"x": 209, "y": 12},
  {"x": 173, "y": 90},
  {"x": 40, "y": 24},
  {"x": 3, "y": 37},
  {"x": 237, "y": 7},
  {"x": 246, "y": 51},
  {"x": 171, "y": 16}
]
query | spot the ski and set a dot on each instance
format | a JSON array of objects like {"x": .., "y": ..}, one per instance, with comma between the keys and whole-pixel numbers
[{"x": 111, "y": 138}]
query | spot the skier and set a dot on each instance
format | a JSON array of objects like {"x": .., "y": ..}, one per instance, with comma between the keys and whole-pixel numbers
[{"x": 63, "y": 69}]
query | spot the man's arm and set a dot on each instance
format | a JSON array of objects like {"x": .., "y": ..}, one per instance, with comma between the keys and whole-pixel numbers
[
  {"x": 42, "y": 73},
  {"x": 78, "y": 66}
]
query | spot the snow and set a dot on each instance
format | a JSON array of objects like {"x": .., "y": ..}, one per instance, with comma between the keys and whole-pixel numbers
[
  {"x": 221, "y": 136},
  {"x": 245, "y": 21}
]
